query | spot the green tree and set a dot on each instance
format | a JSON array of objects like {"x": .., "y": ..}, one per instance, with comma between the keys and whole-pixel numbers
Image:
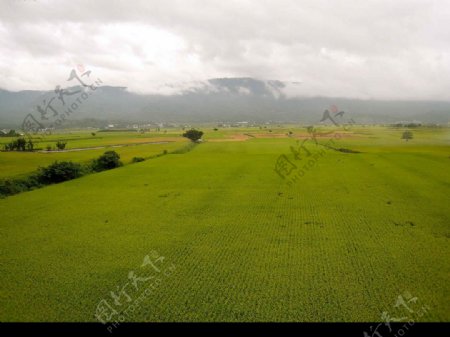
[
  {"x": 407, "y": 135},
  {"x": 137, "y": 159},
  {"x": 61, "y": 145},
  {"x": 107, "y": 161},
  {"x": 16, "y": 145},
  {"x": 21, "y": 144},
  {"x": 30, "y": 145},
  {"x": 59, "y": 172},
  {"x": 193, "y": 135}
]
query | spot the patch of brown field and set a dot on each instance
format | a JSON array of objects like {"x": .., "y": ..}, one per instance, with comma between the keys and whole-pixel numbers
[
  {"x": 341, "y": 135},
  {"x": 143, "y": 140},
  {"x": 270, "y": 135},
  {"x": 234, "y": 138},
  {"x": 337, "y": 135},
  {"x": 242, "y": 137},
  {"x": 153, "y": 139}
]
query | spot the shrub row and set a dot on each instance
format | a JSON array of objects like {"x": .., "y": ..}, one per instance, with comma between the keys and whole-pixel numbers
[{"x": 59, "y": 172}]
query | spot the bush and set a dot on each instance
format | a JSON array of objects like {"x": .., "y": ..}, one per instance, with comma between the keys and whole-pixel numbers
[
  {"x": 107, "y": 161},
  {"x": 407, "y": 135},
  {"x": 59, "y": 172},
  {"x": 61, "y": 145},
  {"x": 30, "y": 145},
  {"x": 55, "y": 173},
  {"x": 194, "y": 135},
  {"x": 11, "y": 187},
  {"x": 137, "y": 159},
  {"x": 19, "y": 145}
]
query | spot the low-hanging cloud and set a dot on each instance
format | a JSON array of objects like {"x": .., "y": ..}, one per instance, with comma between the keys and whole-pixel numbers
[{"x": 365, "y": 49}]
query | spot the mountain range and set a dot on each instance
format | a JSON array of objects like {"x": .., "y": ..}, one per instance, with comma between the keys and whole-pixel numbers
[{"x": 219, "y": 100}]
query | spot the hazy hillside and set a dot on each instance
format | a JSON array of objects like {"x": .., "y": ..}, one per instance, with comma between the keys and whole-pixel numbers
[{"x": 217, "y": 100}]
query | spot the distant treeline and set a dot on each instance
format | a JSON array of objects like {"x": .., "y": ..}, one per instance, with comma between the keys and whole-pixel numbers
[
  {"x": 10, "y": 133},
  {"x": 407, "y": 125}
]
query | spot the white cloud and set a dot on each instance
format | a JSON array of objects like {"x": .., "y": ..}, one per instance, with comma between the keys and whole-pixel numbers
[{"x": 368, "y": 49}]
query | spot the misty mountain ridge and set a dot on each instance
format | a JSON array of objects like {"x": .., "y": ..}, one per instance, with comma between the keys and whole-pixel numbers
[{"x": 218, "y": 100}]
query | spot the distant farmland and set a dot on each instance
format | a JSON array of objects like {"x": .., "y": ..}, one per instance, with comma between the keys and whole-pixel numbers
[{"x": 340, "y": 243}]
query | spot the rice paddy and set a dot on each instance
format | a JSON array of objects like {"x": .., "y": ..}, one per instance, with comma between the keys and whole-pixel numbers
[{"x": 341, "y": 243}]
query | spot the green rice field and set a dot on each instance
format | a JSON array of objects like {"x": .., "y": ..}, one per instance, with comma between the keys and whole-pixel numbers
[{"x": 341, "y": 242}]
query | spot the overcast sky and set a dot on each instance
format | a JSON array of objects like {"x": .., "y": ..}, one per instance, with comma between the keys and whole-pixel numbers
[{"x": 353, "y": 48}]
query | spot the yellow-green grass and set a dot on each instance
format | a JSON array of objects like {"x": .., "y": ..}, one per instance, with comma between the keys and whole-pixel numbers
[
  {"x": 340, "y": 244},
  {"x": 17, "y": 164},
  {"x": 81, "y": 139}
]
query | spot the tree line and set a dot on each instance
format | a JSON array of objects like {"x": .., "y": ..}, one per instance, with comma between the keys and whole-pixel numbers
[{"x": 59, "y": 172}]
